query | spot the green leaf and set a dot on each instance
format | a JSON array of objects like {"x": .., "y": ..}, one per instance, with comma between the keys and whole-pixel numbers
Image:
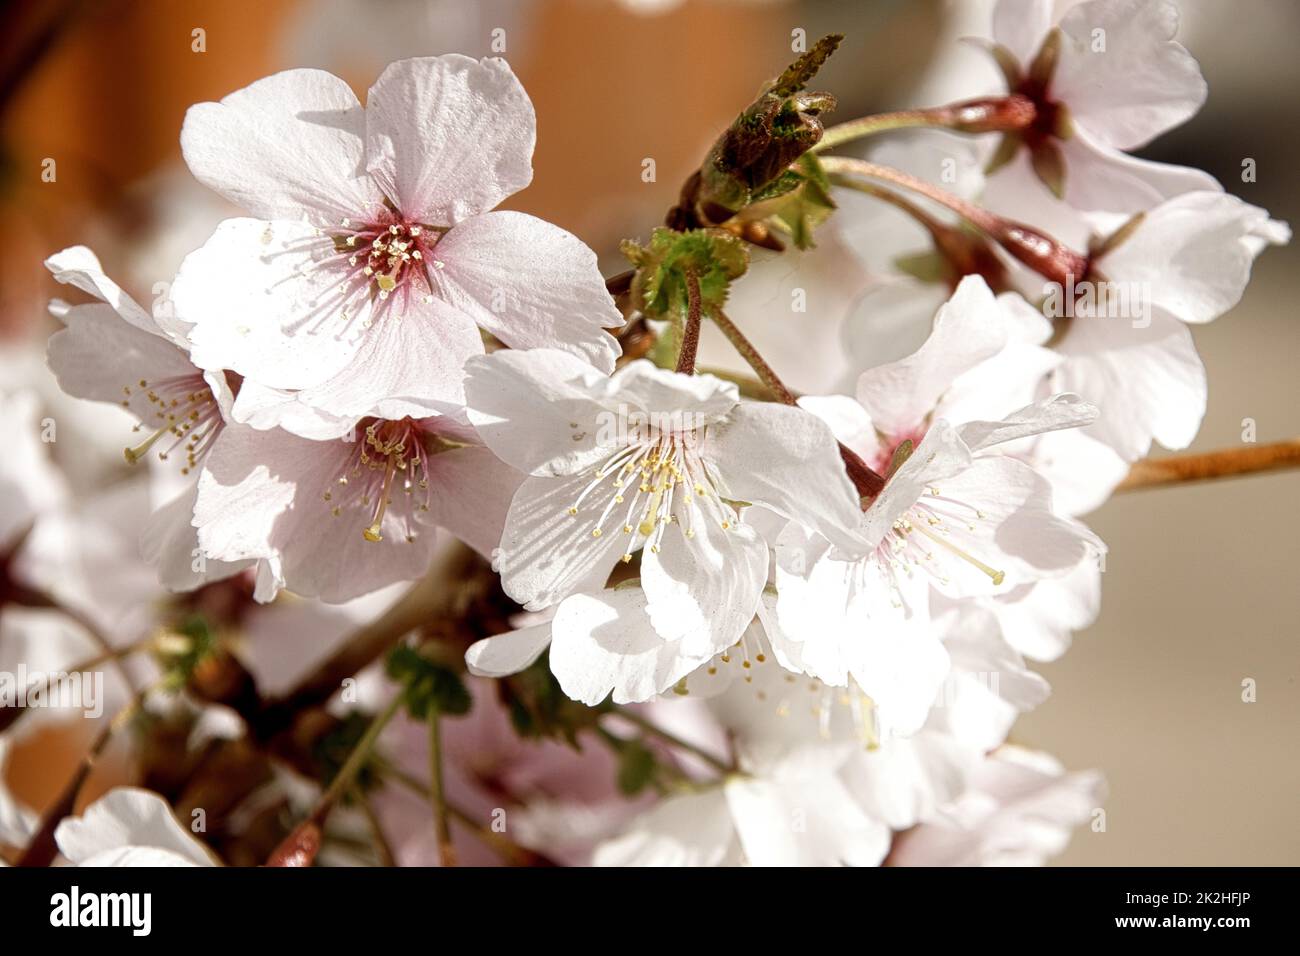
[
  {"x": 715, "y": 256},
  {"x": 428, "y": 684},
  {"x": 539, "y": 709},
  {"x": 331, "y": 750}
]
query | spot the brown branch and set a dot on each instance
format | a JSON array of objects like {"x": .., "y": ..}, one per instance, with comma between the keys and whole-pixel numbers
[
  {"x": 1224, "y": 463},
  {"x": 428, "y": 598}
]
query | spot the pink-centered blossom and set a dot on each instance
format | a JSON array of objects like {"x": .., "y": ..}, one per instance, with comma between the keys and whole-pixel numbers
[{"x": 374, "y": 259}]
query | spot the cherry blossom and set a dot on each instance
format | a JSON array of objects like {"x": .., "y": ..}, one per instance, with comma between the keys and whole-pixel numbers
[
  {"x": 181, "y": 408},
  {"x": 374, "y": 259},
  {"x": 1106, "y": 79},
  {"x": 657, "y": 462},
  {"x": 339, "y": 519}
]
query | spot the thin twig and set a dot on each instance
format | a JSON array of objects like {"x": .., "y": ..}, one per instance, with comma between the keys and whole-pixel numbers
[
  {"x": 654, "y": 730},
  {"x": 746, "y": 349},
  {"x": 300, "y": 846},
  {"x": 383, "y": 848},
  {"x": 1003, "y": 114},
  {"x": 1224, "y": 463},
  {"x": 437, "y": 795},
  {"x": 512, "y": 852}
]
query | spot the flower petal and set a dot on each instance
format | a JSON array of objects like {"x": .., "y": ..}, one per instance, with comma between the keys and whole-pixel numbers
[
  {"x": 508, "y": 653},
  {"x": 448, "y": 137},
  {"x": 1148, "y": 381},
  {"x": 286, "y": 147},
  {"x": 409, "y": 363},
  {"x": 472, "y": 491},
  {"x": 128, "y": 817},
  {"x": 98, "y": 356},
  {"x": 546, "y": 554},
  {"x": 787, "y": 459},
  {"x": 692, "y": 830},
  {"x": 529, "y": 283},
  {"x": 77, "y": 266},
  {"x": 262, "y": 495},
  {"x": 968, "y": 329},
  {"x": 1192, "y": 255},
  {"x": 263, "y": 306},
  {"x": 603, "y": 643},
  {"x": 1139, "y": 85},
  {"x": 537, "y": 409},
  {"x": 703, "y": 591}
]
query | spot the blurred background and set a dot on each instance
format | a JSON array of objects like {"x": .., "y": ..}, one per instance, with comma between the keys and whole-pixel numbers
[{"x": 1201, "y": 586}]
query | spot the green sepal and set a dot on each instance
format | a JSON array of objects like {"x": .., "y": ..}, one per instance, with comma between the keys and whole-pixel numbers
[{"x": 801, "y": 210}]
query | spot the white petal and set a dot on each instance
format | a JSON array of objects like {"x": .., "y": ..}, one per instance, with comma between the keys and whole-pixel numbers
[
  {"x": 1140, "y": 85},
  {"x": 261, "y": 495},
  {"x": 1148, "y": 382},
  {"x": 262, "y": 307},
  {"x": 1037, "y": 619},
  {"x": 787, "y": 459},
  {"x": 1000, "y": 385},
  {"x": 127, "y": 817},
  {"x": 409, "y": 364},
  {"x": 79, "y": 267},
  {"x": 814, "y": 822},
  {"x": 692, "y": 830},
  {"x": 472, "y": 491},
  {"x": 1021, "y": 26},
  {"x": 1099, "y": 177},
  {"x": 101, "y": 358},
  {"x": 905, "y": 780},
  {"x": 704, "y": 590},
  {"x": 448, "y": 136},
  {"x": 901, "y": 670},
  {"x": 642, "y": 386},
  {"x": 1015, "y": 531},
  {"x": 967, "y": 329},
  {"x": 604, "y": 642},
  {"x": 1192, "y": 255},
  {"x": 529, "y": 283},
  {"x": 264, "y": 408},
  {"x": 286, "y": 147},
  {"x": 170, "y": 543},
  {"x": 537, "y": 409},
  {"x": 1051, "y": 414},
  {"x": 508, "y": 653},
  {"x": 546, "y": 553}
]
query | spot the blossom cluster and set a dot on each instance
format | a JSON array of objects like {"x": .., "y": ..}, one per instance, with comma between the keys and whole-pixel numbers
[{"x": 793, "y": 629}]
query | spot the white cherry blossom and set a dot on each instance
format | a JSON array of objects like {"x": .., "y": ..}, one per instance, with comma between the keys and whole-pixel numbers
[
  {"x": 374, "y": 259},
  {"x": 657, "y": 462}
]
